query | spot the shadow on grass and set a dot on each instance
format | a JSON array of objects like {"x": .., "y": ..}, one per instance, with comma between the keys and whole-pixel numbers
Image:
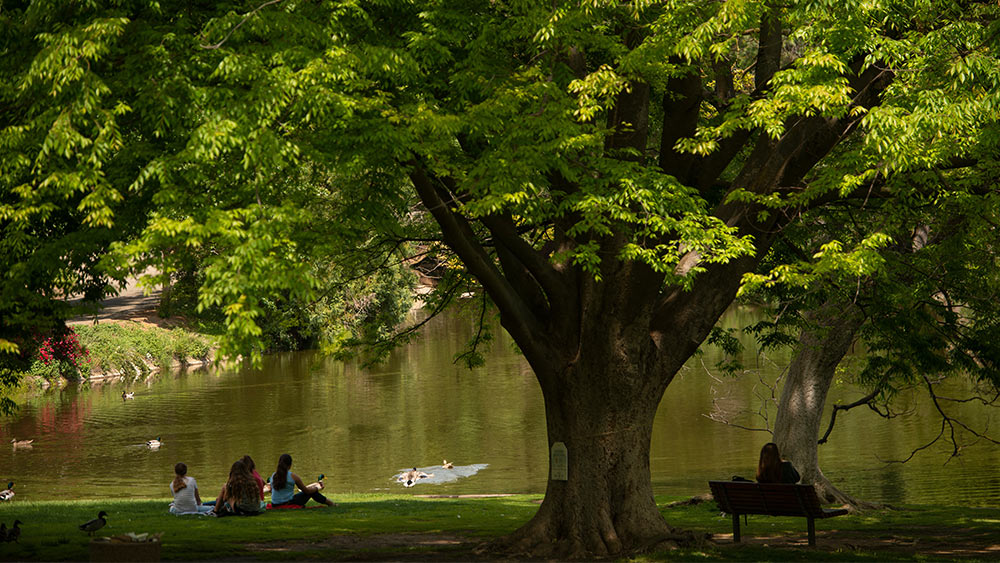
[
  {"x": 909, "y": 533},
  {"x": 409, "y": 528}
]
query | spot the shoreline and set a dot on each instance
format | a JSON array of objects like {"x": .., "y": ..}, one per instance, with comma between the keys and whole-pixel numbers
[
  {"x": 103, "y": 377},
  {"x": 127, "y": 353},
  {"x": 134, "y": 305}
]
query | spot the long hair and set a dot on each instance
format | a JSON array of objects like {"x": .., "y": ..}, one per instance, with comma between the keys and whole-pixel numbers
[
  {"x": 179, "y": 483},
  {"x": 248, "y": 461},
  {"x": 241, "y": 484},
  {"x": 281, "y": 473},
  {"x": 769, "y": 466}
]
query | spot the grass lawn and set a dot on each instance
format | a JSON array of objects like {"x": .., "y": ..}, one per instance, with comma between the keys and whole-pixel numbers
[{"x": 407, "y": 527}]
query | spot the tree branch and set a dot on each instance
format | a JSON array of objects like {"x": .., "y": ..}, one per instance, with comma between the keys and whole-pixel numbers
[
  {"x": 769, "y": 50},
  {"x": 468, "y": 356},
  {"x": 243, "y": 21},
  {"x": 524, "y": 267},
  {"x": 836, "y": 408},
  {"x": 680, "y": 119},
  {"x": 719, "y": 415},
  {"x": 517, "y": 318},
  {"x": 771, "y": 166},
  {"x": 948, "y": 423},
  {"x": 412, "y": 329}
]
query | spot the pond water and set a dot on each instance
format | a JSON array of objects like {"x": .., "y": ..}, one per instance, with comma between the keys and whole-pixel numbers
[{"x": 362, "y": 426}]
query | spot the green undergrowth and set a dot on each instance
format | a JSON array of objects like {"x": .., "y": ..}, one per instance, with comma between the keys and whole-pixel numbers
[
  {"x": 50, "y": 533},
  {"x": 131, "y": 348}
]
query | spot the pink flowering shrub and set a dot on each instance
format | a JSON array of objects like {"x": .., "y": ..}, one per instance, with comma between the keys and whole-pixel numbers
[{"x": 62, "y": 356}]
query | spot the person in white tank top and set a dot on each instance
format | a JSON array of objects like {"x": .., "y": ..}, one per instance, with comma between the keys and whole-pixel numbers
[{"x": 185, "y": 491}]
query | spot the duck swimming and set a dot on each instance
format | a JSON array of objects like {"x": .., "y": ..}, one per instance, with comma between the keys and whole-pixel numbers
[
  {"x": 409, "y": 478},
  {"x": 153, "y": 444},
  {"x": 96, "y": 524},
  {"x": 127, "y": 396},
  {"x": 21, "y": 443},
  {"x": 447, "y": 464}
]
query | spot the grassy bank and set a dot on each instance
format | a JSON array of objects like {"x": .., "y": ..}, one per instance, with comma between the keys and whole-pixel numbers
[
  {"x": 132, "y": 348},
  {"x": 404, "y": 527},
  {"x": 128, "y": 349}
]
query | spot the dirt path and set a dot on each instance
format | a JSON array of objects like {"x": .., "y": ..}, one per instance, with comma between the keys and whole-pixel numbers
[{"x": 132, "y": 304}]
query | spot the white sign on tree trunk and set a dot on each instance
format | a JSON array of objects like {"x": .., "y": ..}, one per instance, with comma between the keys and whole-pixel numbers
[{"x": 559, "y": 462}]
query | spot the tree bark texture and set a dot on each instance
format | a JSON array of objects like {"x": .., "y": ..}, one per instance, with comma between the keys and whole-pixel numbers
[
  {"x": 800, "y": 410},
  {"x": 606, "y": 504}
]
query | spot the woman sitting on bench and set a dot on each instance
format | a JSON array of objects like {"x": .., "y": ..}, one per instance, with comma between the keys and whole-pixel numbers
[{"x": 772, "y": 469}]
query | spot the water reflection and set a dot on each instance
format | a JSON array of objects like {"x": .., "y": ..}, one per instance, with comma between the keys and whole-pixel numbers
[{"x": 360, "y": 426}]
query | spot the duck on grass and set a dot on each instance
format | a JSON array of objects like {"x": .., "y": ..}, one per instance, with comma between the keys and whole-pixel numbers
[{"x": 96, "y": 524}]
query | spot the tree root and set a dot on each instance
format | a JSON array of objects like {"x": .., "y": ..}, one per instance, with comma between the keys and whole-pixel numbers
[
  {"x": 830, "y": 493},
  {"x": 697, "y": 499}
]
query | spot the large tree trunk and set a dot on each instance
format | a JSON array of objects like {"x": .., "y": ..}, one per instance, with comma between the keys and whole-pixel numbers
[
  {"x": 606, "y": 505},
  {"x": 796, "y": 429},
  {"x": 601, "y": 407}
]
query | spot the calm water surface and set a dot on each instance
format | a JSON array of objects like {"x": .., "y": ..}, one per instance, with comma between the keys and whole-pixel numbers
[{"x": 360, "y": 426}]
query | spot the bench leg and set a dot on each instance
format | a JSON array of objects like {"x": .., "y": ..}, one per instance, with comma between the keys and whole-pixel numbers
[
  {"x": 812, "y": 532},
  {"x": 736, "y": 528}
]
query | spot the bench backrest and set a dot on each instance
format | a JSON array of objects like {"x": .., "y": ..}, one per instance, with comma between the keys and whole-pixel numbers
[{"x": 775, "y": 499}]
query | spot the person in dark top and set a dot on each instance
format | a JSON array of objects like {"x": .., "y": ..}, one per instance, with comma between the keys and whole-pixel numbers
[{"x": 772, "y": 469}]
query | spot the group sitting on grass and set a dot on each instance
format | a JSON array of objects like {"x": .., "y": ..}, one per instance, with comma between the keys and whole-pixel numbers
[{"x": 243, "y": 493}]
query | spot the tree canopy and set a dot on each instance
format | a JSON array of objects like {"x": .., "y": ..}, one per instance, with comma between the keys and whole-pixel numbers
[{"x": 606, "y": 172}]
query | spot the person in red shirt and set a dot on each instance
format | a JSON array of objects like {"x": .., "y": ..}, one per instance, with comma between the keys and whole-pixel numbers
[{"x": 248, "y": 461}]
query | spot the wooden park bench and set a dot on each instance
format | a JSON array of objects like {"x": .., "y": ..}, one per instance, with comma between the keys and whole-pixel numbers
[{"x": 773, "y": 499}]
